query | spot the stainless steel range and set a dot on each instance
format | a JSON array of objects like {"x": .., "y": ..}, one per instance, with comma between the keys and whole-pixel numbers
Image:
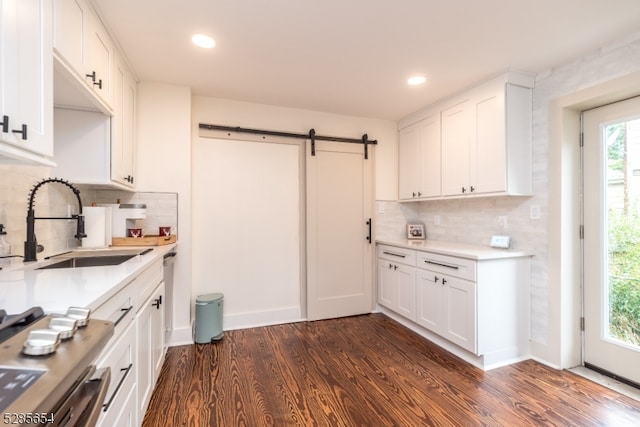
[{"x": 46, "y": 375}]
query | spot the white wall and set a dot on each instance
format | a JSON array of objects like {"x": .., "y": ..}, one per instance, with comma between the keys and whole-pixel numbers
[
  {"x": 164, "y": 165},
  {"x": 243, "y": 114}
]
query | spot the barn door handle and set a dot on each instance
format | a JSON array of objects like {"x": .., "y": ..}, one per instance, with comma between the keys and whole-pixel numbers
[{"x": 369, "y": 226}]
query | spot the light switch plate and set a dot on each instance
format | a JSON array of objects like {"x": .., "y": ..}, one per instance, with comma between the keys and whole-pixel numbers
[{"x": 500, "y": 242}]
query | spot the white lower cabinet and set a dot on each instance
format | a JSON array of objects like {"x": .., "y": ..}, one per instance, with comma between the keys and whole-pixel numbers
[
  {"x": 136, "y": 351},
  {"x": 116, "y": 410},
  {"x": 447, "y": 306},
  {"x": 150, "y": 333},
  {"x": 397, "y": 281},
  {"x": 479, "y": 303}
]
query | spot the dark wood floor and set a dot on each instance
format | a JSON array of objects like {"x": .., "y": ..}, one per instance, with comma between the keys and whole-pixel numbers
[{"x": 366, "y": 371}]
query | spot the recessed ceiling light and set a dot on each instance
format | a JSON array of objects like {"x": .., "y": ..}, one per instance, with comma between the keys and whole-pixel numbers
[
  {"x": 416, "y": 80},
  {"x": 203, "y": 41}
]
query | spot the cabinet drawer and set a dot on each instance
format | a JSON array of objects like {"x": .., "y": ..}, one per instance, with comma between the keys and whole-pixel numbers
[
  {"x": 399, "y": 255},
  {"x": 120, "y": 358},
  {"x": 120, "y": 309},
  {"x": 147, "y": 282},
  {"x": 453, "y": 266}
]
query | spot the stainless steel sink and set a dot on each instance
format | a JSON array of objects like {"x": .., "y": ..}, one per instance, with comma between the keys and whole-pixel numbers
[
  {"x": 88, "y": 261},
  {"x": 81, "y": 258}
]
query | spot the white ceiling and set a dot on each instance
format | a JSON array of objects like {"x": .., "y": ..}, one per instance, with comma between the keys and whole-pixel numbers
[{"x": 353, "y": 57}]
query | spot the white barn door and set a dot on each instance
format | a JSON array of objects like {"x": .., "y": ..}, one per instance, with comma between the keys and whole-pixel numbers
[{"x": 339, "y": 255}]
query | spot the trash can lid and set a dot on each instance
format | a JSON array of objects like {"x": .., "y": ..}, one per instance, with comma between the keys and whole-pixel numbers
[{"x": 208, "y": 298}]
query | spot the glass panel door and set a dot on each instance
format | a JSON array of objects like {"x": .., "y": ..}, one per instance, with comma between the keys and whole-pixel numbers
[{"x": 611, "y": 175}]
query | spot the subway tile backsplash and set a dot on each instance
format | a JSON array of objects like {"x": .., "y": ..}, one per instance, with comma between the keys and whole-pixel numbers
[{"x": 56, "y": 200}]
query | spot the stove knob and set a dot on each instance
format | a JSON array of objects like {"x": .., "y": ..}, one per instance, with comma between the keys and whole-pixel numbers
[
  {"x": 81, "y": 315},
  {"x": 41, "y": 342},
  {"x": 65, "y": 325}
]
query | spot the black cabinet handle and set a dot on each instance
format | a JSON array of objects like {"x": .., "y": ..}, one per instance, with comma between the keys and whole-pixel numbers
[
  {"x": 393, "y": 254},
  {"x": 5, "y": 124},
  {"x": 98, "y": 83},
  {"x": 157, "y": 302},
  {"x": 436, "y": 278},
  {"x": 444, "y": 280},
  {"x": 126, "y": 371},
  {"x": 472, "y": 189},
  {"x": 441, "y": 264},
  {"x": 93, "y": 76},
  {"x": 22, "y": 131},
  {"x": 464, "y": 190},
  {"x": 124, "y": 311}
]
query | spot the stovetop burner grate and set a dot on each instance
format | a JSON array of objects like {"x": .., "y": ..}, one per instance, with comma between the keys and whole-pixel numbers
[{"x": 12, "y": 324}]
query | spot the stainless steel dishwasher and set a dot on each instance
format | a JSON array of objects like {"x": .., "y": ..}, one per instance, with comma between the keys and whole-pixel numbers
[{"x": 169, "y": 259}]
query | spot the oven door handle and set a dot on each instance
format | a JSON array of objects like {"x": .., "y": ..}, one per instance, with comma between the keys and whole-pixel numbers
[
  {"x": 103, "y": 376},
  {"x": 82, "y": 406}
]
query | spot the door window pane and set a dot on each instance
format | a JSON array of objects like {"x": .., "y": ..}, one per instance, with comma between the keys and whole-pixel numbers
[{"x": 623, "y": 226}]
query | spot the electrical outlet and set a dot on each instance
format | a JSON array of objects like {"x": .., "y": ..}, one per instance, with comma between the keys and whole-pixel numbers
[
  {"x": 500, "y": 242},
  {"x": 502, "y": 222},
  {"x": 436, "y": 219},
  {"x": 534, "y": 212}
]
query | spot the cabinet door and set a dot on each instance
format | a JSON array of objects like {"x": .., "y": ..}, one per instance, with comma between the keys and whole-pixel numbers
[
  {"x": 408, "y": 163},
  {"x": 69, "y": 22},
  {"x": 150, "y": 338},
  {"x": 457, "y": 137},
  {"x": 387, "y": 285},
  {"x": 429, "y": 137},
  {"x": 157, "y": 344},
  {"x": 489, "y": 167},
  {"x": 100, "y": 56},
  {"x": 460, "y": 312},
  {"x": 121, "y": 359},
  {"x": 430, "y": 297},
  {"x": 123, "y": 125},
  {"x": 406, "y": 291},
  {"x": 26, "y": 75},
  {"x": 419, "y": 159},
  {"x": 145, "y": 337}
]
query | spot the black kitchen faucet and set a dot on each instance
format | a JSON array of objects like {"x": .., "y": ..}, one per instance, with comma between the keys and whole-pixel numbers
[{"x": 31, "y": 244}]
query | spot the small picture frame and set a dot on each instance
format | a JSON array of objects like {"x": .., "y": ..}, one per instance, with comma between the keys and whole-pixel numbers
[{"x": 415, "y": 232}]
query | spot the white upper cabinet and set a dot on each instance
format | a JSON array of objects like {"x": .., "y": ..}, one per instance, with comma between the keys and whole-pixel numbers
[
  {"x": 26, "y": 84},
  {"x": 485, "y": 141},
  {"x": 123, "y": 125},
  {"x": 419, "y": 159},
  {"x": 84, "y": 55},
  {"x": 457, "y": 147}
]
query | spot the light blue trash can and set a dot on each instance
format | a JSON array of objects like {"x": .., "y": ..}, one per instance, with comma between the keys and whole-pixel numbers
[{"x": 209, "y": 318}]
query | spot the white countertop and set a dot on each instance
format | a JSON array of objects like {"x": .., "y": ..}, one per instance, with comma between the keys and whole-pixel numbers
[
  {"x": 22, "y": 287},
  {"x": 456, "y": 249}
]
